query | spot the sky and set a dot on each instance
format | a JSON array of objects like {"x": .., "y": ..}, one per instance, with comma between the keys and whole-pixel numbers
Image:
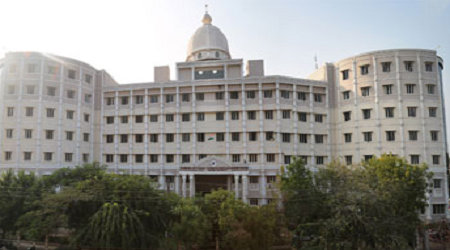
[{"x": 129, "y": 38}]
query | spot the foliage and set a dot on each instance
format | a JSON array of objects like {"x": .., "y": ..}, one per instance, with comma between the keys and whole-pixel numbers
[{"x": 189, "y": 227}]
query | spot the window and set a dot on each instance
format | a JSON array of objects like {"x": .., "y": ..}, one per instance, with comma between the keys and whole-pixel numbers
[
  {"x": 318, "y": 139},
  {"x": 220, "y": 137},
  {"x": 109, "y": 158},
  {"x": 236, "y": 158},
  {"x": 30, "y": 90},
  {"x": 219, "y": 95},
  {"x": 386, "y": 67},
  {"x": 70, "y": 114},
  {"x": 439, "y": 208},
  {"x": 139, "y": 119},
  {"x": 415, "y": 159},
  {"x": 412, "y": 111},
  {"x": 185, "y": 117},
  {"x": 317, "y": 97},
  {"x": 123, "y": 158},
  {"x": 185, "y": 158},
  {"x": 29, "y": 111},
  {"x": 28, "y": 133},
  {"x": 286, "y": 137},
  {"x": 251, "y": 115},
  {"x": 186, "y": 137},
  {"x": 303, "y": 138},
  {"x": 270, "y": 136},
  {"x": 87, "y": 98},
  {"x": 365, "y": 91},
  {"x": 11, "y": 90},
  {"x": 287, "y": 159},
  {"x": 31, "y": 68},
  {"x": 347, "y": 116},
  {"x": 109, "y": 138},
  {"x": 68, "y": 157},
  {"x": 364, "y": 69},
  {"x": 153, "y": 158},
  {"x": 235, "y": 136},
  {"x": 388, "y": 89},
  {"x": 390, "y": 135},
  {"x": 348, "y": 159},
  {"x": 48, "y": 156},
  {"x": 437, "y": 183},
  {"x": 413, "y": 135},
  {"x": 366, "y": 114},
  {"x": 436, "y": 159},
  {"x": 235, "y": 115},
  {"x": 153, "y": 118},
  {"x": 234, "y": 95},
  {"x": 86, "y": 117},
  {"x": 367, "y": 136},
  {"x": 430, "y": 89},
  {"x": 69, "y": 135},
  {"x": 270, "y": 157},
  {"x": 434, "y": 135},
  {"x": 153, "y": 138},
  {"x": 301, "y": 96},
  {"x": 169, "y": 98},
  {"x": 200, "y": 116},
  {"x": 169, "y": 118},
  {"x": 409, "y": 66},
  {"x": 200, "y": 137},
  {"x": 123, "y": 138},
  {"x": 52, "y": 70},
  {"x": 253, "y": 159},
  {"x": 269, "y": 114},
  {"x": 200, "y": 97},
  {"x": 50, "y": 113},
  {"x": 286, "y": 114},
  {"x": 251, "y": 94},
  {"x": 185, "y": 97},
  {"x": 345, "y": 74},
  {"x": 109, "y": 119},
  {"x": 302, "y": 117},
  {"x": 389, "y": 112},
  {"x": 87, "y": 78},
  {"x": 432, "y": 112},
  {"x": 271, "y": 179},
  {"x": 429, "y": 66},
  {"x": 410, "y": 88},
  {"x": 139, "y": 99},
  {"x": 253, "y": 136},
  {"x": 348, "y": 137},
  {"x": 71, "y": 94},
  {"x": 170, "y": 138},
  {"x": 110, "y": 101},
  {"x": 139, "y": 158},
  {"x": 124, "y": 100},
  {"x": 267, "y": 93},
  {"x": 10, "y": 111},
  {"x": 86, "y": 137},
  {"x": 220, "y": 116},
  {"x": 319, "y": 160},
  {"x": 346, "y": 95},
  {"x": 27, "y": 156},
  {"x": 284, "y": 94},
  {"x": 367, "y": 157},
  {"x": 124, "y": 119},
  {"x": 9, "y": 133},
  {"x": 71, "y": 74},
  {"x": 153, "y": 99},
  {"x": 201, "y": 156}
]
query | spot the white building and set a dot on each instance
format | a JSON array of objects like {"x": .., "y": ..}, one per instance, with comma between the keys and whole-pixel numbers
[{"x": 215, "y": 126}]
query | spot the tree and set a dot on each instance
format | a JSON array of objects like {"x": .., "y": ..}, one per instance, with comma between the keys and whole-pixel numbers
[{"x": 189, "y": 227}]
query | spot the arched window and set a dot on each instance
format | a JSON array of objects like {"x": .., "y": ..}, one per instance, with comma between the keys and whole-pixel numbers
[
  {"x": 199, "y": 55},
  {"x": 217, "y": 54}
]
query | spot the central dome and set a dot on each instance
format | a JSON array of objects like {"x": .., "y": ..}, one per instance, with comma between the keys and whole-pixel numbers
[{"x": 207, "y": 43}]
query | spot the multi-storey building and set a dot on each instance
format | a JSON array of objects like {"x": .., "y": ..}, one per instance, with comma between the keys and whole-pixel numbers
[{"x": 215, "y": 127}]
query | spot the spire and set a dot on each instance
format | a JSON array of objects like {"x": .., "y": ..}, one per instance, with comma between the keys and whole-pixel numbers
[{"x": 207, "y": 19}]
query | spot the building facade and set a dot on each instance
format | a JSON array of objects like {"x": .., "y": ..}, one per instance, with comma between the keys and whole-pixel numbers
[{"x": 217, "y": 127}]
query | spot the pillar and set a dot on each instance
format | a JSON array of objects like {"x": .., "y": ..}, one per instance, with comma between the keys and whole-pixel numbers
[
  {"x": 177, "y": 184},
  {"x": 263, "y": 189},
  {"x": 244, "y": 188},
  {"x": 236, "y": 186},
  {"x": 183, "y": 186},
  {"x": 162, "y": 180},
  {"x": 229, "y": 183},
  {"x": 191, "y": 186}
]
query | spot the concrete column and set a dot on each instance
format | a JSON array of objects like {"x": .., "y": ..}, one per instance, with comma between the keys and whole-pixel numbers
[
  {"x": 244, "y": 188},
  {"x": 177, "y": 184},
  {"x": 191, "y": 186},
  {"x": 183, "y": 186},
  {"x": 229, "y": 181},
  {"x": 263, "y": 188},
  {"x": 236, "y": 186},
  {"x": 162, "y": 180}
]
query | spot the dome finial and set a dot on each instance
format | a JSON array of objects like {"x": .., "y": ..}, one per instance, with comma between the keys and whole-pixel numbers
[{"x": 207, "y": 19}]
